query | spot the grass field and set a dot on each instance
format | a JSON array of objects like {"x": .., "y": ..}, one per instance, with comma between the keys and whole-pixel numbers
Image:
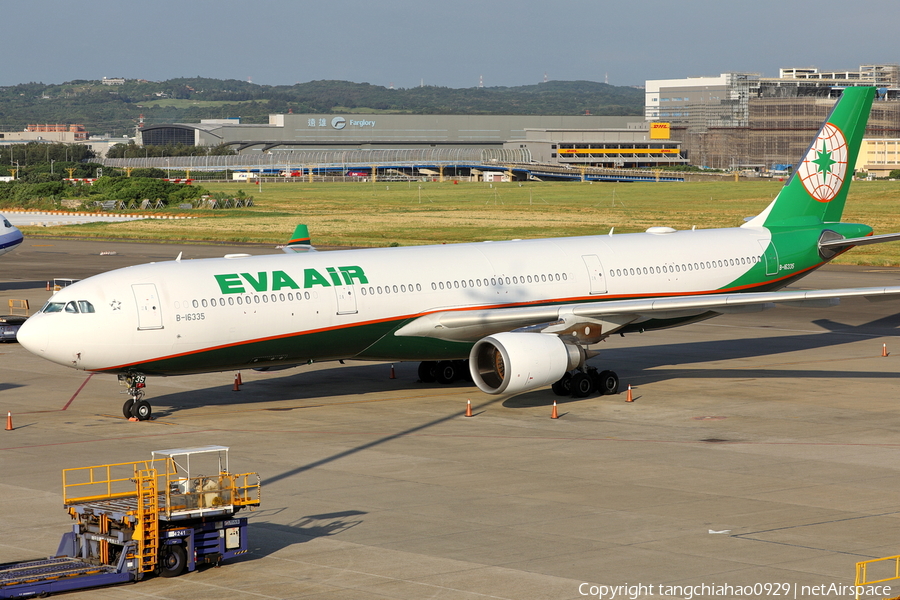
[{"x": 381, "y": 214}]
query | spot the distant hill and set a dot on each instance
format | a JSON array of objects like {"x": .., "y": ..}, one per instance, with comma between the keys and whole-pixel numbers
[{"x": 116, "y": 109}]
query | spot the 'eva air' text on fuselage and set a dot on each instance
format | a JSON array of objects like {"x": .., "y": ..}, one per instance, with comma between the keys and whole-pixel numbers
[{"x": 272, "y": 281}]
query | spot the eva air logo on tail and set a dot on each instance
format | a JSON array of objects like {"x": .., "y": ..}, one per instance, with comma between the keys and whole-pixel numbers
[{"x": 825, "y": 165}]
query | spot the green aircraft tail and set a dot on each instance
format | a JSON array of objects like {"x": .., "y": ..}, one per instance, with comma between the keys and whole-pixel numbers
[
  {"x": 300, "y": 237},
  {"x": 817, "y": 190},
  {"x": 300, "y": 241}
]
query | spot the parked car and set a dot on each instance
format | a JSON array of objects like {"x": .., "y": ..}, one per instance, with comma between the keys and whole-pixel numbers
[{"x": 9, "y": 326}]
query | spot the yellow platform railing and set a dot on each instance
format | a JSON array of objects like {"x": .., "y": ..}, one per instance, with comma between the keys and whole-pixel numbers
[{"x": 862, "y": 571}]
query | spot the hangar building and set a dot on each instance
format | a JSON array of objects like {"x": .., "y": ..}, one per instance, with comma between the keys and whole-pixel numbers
[{"x": 573, "y": 139}]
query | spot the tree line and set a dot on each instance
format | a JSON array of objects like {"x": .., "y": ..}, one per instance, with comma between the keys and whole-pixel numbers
[{"x": 117, "y": 109}]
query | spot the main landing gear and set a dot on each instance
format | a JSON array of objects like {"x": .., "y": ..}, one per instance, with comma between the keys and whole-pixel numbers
[
  {"x": 135, "y": 406},
  {"x": 444, "y": 371},
  {"x": 584, "y": 381}
]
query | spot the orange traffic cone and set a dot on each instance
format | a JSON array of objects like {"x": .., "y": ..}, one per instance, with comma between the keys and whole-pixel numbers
[
  {"x": 628, "y": 397},
  {"x": 9, "y": 426},
  {"x": 393, "y": 376},
  {"x": 554, "y": 414},
  {"x": 237, "y": 386},
  {"x": 239, "y": 382},
  {"x": 884, "y": 351},
  {"x": 468, "y": 408}
]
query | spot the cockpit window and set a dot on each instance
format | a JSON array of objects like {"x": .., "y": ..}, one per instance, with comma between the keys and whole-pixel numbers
[
  {"x": 52, "y": 307},
  {"x": 6, "y": 223},
  {"x": 72, "y": 307}
]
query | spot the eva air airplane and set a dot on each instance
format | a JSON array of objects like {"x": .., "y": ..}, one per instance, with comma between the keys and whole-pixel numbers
[{"x": 523, "y": 313}]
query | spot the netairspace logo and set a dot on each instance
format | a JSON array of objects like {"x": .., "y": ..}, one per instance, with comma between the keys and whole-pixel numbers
[{"x": 688, "y": 592}]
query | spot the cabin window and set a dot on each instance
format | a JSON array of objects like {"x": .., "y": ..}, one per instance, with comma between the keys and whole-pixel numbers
[
  {"x": 403, "y": 287},
  {"x": 306, "y": 295},
  {"x": 265, "y": 299},
  {"x": 433, "y": 285},
  {"x": 564, "y": 276},
  {"x": 203, "y": 302},
  {"x": 231, "y": 300},
  {"x": 418, "y": 287}
]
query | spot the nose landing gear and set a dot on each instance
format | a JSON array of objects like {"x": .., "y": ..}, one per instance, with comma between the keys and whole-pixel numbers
[{"x": 135, "y": 407}]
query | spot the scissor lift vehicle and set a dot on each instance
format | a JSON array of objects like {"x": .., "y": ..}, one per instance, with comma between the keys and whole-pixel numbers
[{"x": 134, "y": 519}]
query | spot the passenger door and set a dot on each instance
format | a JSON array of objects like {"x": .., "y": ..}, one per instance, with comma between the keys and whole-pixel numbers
[{"x": 147, "y": 300}]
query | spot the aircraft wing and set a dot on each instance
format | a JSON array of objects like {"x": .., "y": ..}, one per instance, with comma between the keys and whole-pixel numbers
[{"x": 593, "y": 321}]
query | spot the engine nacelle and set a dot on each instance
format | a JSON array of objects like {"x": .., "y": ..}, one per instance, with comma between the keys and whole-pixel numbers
[{"x": 514, "y": 362}]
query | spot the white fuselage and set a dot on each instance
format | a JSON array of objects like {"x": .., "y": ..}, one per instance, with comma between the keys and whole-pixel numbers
[{"x": 292, "y": 308}]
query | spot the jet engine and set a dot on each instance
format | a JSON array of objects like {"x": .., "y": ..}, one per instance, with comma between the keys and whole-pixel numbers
[{"x": 515, "y": 362}]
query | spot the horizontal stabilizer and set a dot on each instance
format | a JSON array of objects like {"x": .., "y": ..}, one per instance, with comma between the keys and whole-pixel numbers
[{"x": 861, "y": 241}]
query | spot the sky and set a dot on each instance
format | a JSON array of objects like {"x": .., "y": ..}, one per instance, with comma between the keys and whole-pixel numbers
[{"x": 454, "y": 43}]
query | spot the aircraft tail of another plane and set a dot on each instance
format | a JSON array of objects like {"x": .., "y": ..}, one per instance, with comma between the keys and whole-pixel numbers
[
  {"x": 300, "y": 241},
  {"x": 817, "y": 190}
]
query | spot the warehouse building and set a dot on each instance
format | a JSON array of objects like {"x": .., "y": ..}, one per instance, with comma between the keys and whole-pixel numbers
[{"x": 745, "y": 121}]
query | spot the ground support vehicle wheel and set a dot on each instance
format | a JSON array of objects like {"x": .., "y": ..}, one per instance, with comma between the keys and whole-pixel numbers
[{"x": 172, "y": 560}]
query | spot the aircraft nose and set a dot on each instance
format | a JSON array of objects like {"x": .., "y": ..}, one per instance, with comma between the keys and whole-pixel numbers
[{"x": 34, "y": 336}]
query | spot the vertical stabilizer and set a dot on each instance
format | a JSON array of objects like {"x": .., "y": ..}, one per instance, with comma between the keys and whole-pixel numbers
[
  {"x": 300, "y": 241},
  {"x": 817, "y": 190}
]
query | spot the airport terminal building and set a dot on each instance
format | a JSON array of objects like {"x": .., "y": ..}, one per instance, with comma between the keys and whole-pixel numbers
[{"x": 562, "y": 139}]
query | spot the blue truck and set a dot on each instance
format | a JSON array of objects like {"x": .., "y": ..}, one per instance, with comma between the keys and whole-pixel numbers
[{"x": 137, "y": 519}]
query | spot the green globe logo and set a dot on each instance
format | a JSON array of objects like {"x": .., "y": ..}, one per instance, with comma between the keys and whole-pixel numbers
[{"x": 825, "y": 165}]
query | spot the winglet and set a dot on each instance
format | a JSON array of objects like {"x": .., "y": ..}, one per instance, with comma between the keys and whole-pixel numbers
[{"x": 300, "y": 241}]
